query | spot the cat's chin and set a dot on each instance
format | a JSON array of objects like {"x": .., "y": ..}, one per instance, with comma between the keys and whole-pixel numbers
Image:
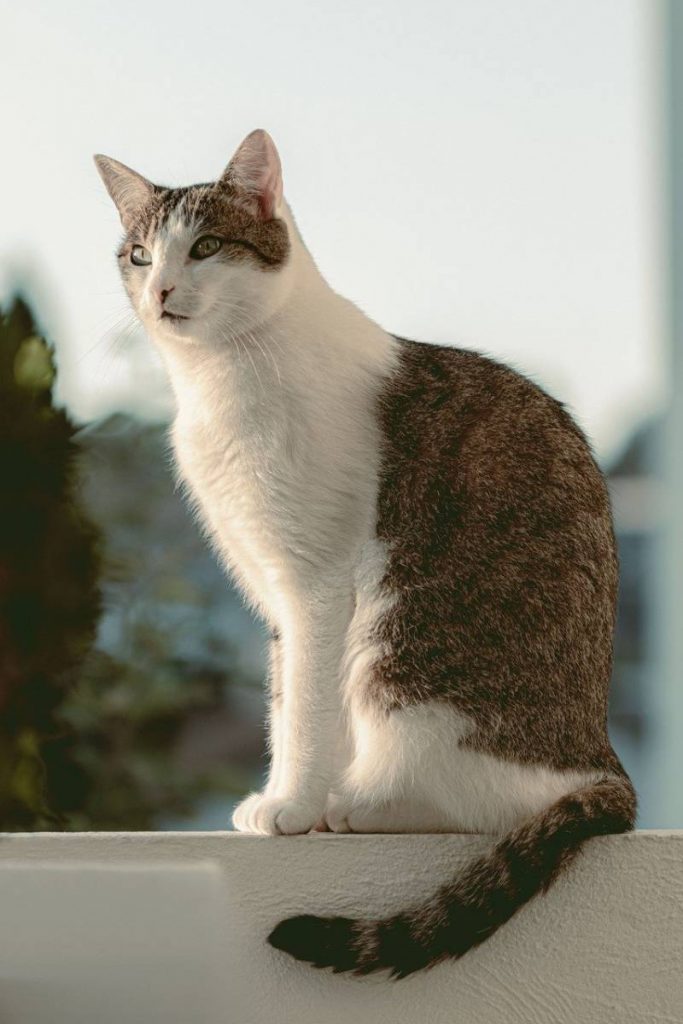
[{"x": 173, "y": 325}]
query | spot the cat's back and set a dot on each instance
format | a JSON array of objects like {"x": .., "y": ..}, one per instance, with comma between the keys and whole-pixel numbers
[
  {"x": 498, "y": 525},
  {"x": 441, "y": 395},
  {"x": 469, "y": 432}
]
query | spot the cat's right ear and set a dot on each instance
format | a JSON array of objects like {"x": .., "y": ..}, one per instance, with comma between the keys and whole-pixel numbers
[
  {"x": 255, "y": 175},
  {"x": 129, "y": 190}
]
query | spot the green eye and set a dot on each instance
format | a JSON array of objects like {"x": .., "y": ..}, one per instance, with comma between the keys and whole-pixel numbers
[
  {"x": 140, "y": 256},
  {"x": 206, "y": 246}
]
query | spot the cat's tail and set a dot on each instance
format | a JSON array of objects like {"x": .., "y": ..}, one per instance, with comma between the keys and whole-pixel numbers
[{"x": 464, "y": 912}]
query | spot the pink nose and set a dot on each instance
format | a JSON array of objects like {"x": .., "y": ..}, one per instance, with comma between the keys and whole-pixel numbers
[{"x": 163, "y": 294}]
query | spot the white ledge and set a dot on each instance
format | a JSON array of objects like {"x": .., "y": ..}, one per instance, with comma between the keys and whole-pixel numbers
[{"x": 132, "y": 927}]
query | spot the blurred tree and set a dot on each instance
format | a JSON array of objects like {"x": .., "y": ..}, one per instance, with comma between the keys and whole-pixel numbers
[
  {"x": 49, "y": 601},
  {"x": 106, "y": 721}
]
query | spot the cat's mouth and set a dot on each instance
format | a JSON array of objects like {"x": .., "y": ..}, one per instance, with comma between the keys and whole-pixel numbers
[{"x": 174, "y": 318}]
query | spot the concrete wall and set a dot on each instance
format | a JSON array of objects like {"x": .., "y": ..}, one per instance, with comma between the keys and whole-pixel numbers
[{"x": 152, "y": 927}]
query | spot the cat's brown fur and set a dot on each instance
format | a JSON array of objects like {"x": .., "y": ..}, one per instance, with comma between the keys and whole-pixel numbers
[
  {"x": 214, "y": 212},
  {"x": 490, "y": 492}
]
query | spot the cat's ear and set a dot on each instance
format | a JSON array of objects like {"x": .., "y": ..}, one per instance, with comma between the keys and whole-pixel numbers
[
  {"x": 129, "y": 190},
  {"x": 255, "y": 175}
]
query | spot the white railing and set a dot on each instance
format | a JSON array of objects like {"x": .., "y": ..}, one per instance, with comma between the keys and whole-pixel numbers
[{"x": 99, "y": 928}]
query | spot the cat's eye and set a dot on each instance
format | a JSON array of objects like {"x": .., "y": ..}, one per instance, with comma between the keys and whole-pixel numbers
[
  {"x": 140, "y": 256},
  {"x": 205, "y": 246}
]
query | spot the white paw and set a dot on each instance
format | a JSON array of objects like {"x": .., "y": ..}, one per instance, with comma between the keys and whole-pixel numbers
[
  {"x": 347, "y": 813},
  {"x": 266, "y": 815},
  {"x": 338, "y": 812}
]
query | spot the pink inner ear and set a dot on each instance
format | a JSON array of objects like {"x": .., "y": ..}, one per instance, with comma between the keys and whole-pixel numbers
[
  {"x": 255, "y": 170},
  {"x": 270, "y": 195}
]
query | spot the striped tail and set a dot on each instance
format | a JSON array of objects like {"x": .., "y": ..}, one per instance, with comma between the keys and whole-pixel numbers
[{"x": 464, "y": 912}]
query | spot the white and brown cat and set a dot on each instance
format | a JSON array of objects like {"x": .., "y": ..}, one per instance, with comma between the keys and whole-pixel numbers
[{"x": 426, "y": 533}]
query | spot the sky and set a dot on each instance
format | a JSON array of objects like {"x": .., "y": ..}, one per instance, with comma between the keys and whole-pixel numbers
[{"x": 471, "y": 172}]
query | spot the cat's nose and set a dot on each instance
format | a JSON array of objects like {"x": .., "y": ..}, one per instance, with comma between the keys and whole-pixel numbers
[{"x": 163, "y": 294}]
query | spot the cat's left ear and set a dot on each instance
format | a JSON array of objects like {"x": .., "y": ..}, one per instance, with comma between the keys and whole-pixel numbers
[
  {"x": 129, "y": 190},
  {"x": 255, "y": 175}
]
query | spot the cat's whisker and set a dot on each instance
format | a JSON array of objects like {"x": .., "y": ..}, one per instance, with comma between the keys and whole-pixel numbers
[{"x": 122, "y": 326}]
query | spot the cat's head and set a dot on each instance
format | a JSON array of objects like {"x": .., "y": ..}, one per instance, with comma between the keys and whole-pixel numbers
[{"x": 207, "y": 260}]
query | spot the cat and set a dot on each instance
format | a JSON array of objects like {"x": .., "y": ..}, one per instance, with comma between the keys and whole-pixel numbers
[{"x": 430, "y": 540}]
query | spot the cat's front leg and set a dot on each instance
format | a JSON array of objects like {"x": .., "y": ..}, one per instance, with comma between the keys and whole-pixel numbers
[
  {"x": 308, "y": 718},
  {"x": 275, "y": 712},
  {"x": 245, "y": 812}
]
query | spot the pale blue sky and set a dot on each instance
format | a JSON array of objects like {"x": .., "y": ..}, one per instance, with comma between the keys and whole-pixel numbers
[{"x": 473, "y": 171}]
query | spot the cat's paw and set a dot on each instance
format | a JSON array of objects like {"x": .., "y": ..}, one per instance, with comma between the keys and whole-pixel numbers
[
  {"x": 266, "y": 815},
  {"x": 346, "y": 814},
  {"x": 337, "y": 813}
]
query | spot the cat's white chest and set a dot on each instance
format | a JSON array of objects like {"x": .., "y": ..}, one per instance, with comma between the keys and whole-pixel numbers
[
  {"x": 235, "y": 471},
  {"x": 282, "y": 466}
]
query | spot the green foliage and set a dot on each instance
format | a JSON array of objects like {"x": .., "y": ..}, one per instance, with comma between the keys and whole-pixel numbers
[
  {"x": 49, "y": 603},
  {"x": 126, "y": 723},
  {"x": 92, "y": 735}
]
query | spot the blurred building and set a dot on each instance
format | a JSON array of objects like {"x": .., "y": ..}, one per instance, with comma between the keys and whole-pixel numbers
[
  {"x": 636, "y": 492},
  {"x": 169, "y": 609}
]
